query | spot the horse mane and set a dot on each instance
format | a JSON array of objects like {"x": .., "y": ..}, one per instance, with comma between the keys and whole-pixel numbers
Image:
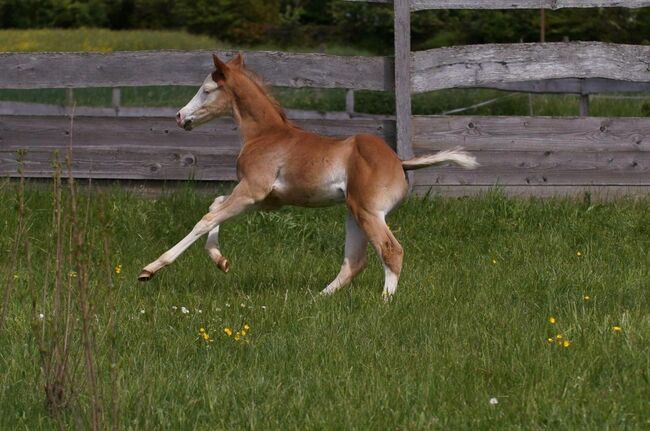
[{"x": 262, "y": 87}]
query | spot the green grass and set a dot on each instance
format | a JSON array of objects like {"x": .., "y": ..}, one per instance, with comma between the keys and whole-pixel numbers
[
  {"x": 460, "y": 331},
  {"x": 100, "y": 40}
]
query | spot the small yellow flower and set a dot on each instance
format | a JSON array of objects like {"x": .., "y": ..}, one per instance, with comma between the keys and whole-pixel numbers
[
  {"x": 578, "y": 253},
  {"x": 494, "y": 261},
  {"x": 237, "y": 336},
  {"x": 246, "y": 327},
  {"x": 617, "y": 329},
  {"x": 16, "y": 277},
  {"x": 118, "y": 269},
  {"x": 227, "y": 331},
  {"x": 72, "y": 274},
  {"x": 559, "y": 337},
  {"x": 243, "y": 332},
  {"x": 552, "y": 320},
  {"x": 587, "y": 298},
  {"x": 205, "y": 336},
  {"x": 566, "y": 343},
  {"x": 550, "y": 340},
  {"x": 201, "y": 330}
]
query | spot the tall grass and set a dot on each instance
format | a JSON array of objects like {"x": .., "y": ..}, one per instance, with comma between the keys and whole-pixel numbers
[{"x": 469, "y": 324}]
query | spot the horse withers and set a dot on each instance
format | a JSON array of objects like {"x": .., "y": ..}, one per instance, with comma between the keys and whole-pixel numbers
[{"x": 282, "y": 164}]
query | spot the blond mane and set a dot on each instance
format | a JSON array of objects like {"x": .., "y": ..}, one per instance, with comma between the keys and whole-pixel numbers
[{"x": 259, "y": 83}]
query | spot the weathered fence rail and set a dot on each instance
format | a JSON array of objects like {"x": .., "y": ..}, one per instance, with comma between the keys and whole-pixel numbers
[
  {"x": 484, "y": 65},
  {"x": 143, "y": 148},
  {"x": 416, "y": 5},
  {"x": 122, "y": 69}
]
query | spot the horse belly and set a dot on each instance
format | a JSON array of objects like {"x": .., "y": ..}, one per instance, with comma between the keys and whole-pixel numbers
[{"x": 330, "y": 191}]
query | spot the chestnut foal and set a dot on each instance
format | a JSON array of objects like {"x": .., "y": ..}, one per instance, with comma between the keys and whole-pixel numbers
[{"x": 281, "y": 164}]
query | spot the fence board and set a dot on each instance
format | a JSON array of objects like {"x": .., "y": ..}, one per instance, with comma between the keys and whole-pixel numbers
[
  {"x": 507, "y": 134},
  {"x": 479, "y": 65},
  {"x": 573, "y": 86},
  {"x": 523, "y": 151},
  {"x": 516, "y": 4},
  {"x": 144, "y": 148},
  {"x": 53, "y": 70}
]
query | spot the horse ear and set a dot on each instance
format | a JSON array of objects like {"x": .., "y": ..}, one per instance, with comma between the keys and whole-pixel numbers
[
  {"x": 237, "y": 61},
  {"x": 221, "y": 69}
]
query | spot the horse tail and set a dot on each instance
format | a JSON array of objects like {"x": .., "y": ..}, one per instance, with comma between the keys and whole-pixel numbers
[{"x": 457, "y": 155}]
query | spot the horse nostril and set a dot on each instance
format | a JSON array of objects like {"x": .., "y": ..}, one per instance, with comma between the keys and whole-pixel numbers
[{"x": 178, "y": 115}]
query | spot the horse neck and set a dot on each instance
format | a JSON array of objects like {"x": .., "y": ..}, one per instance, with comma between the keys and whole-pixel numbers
[{"x": 254, "y": 111}]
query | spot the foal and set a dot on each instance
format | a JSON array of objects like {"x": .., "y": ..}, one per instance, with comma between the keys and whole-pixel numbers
[{"x": 281, "y": 164}]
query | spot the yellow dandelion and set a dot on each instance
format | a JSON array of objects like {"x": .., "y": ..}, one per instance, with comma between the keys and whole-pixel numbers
[
  {"x": 494, "y": 261},
  {"x": 243, "y": 332},
  {"x": 559, "y": 337},
  {"x": 16, "y": 277},
  {"x": 552, "y": 320},
  {"x": 617, "y": 329},
  {"x": 205, "y": 336},
  {"x": 246, "y": 327},
  {"x": 578, "y": 253},
  {"x": 237, "y": 336},
  {"x": 118, "y": 269},
  {"x": 72, "y": 274},
  {"x": 587, "y": 298},
  {"x": 202, "y": 330},
  {"x": 227, "y": 331},
  {"x": 550, "y": 340},
  {"x": 566, "y": 343}
]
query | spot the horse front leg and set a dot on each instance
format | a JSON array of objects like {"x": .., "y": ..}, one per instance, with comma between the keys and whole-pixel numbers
[
  {"x": 212, "y": 244},
  {"x": 232, "y": 206}
]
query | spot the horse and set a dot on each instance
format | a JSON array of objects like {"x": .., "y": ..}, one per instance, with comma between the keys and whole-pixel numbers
[{"x": 282, "y": 164}]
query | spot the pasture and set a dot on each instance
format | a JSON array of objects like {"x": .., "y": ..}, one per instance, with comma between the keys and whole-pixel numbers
[{"x": 464, "y": 345}]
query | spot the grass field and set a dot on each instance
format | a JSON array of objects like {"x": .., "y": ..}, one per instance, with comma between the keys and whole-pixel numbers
[
  {"x": 316, "y": 99},
  {"x": 464, "y": 345}
]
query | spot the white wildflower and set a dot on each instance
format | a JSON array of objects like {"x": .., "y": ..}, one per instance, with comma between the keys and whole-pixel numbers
[
  {"x": 142, "y": 311},
  {"x": 494, "y": 401},
  {"x": 174, "y": 307},
  {"x": 41, "y": 316},
  {"x": 184, "y": 310}
]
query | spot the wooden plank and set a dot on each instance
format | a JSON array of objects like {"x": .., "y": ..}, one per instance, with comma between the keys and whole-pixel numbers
[
  {"x": 523, "y": 151},
  {"x": 402, "y": 25},
  {"x": 143, "y": 148},
  {"x": 506, "y": 134},
  {"x": 123, "y": 69},
  {"x": 515, "y": 4},
  {"x": 522, "y": 168},
  {"x": 480, "y": 65},
  {"x": 572, "y": 86},
  {"x": 38, "y": 109}
]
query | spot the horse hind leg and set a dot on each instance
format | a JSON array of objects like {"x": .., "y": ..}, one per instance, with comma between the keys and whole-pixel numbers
[
  {"x": 356, "y": 244},
  {"x": 387, "y": 247},
  {"x": 212, "y": 244}
]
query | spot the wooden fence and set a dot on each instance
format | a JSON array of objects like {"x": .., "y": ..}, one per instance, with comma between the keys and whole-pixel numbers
[{"x": 527, "y": 155}]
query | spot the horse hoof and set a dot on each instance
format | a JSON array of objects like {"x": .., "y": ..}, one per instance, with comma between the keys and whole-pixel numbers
[
  {"x": 145, "y": 275},
  {"x": 223, "y": 264}
]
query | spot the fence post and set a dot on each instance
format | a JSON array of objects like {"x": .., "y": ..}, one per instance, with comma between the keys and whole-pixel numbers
[
  {"x": 69, "y": 97},
  {"x": 116, "y": 100},
  {"x": 349, "y": 101},
  {"x": 402, "y": 27}
]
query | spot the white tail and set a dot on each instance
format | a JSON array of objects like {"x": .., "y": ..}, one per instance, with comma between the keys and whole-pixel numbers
[{"x": 457, "y": 155}]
